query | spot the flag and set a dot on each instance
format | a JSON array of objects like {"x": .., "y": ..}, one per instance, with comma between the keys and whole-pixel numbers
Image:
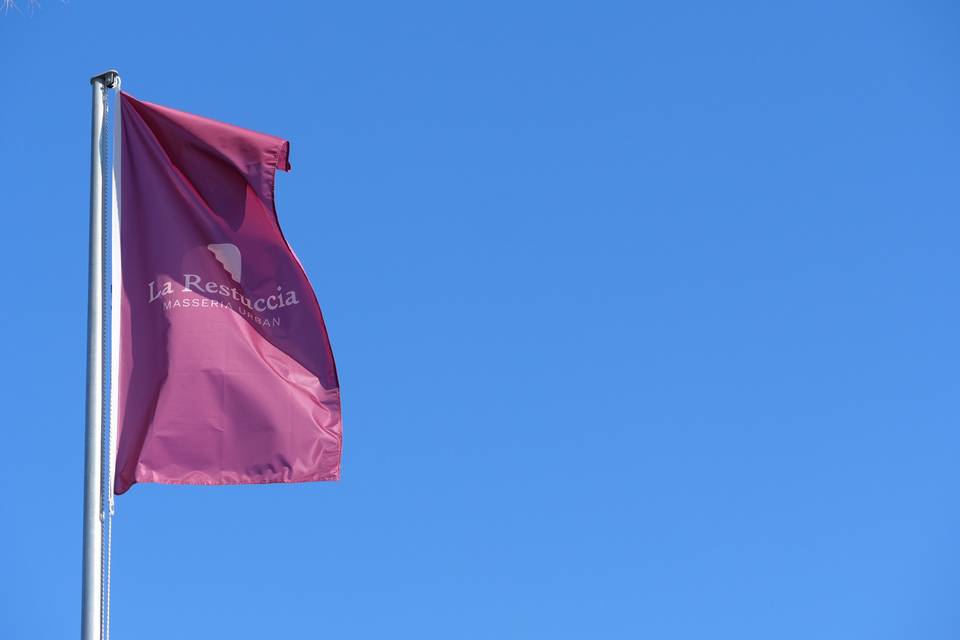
[{"x": 222, "y": 366}]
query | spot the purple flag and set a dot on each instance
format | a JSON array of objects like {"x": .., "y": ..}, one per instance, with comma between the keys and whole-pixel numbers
[{"x": 225, "y": 374}]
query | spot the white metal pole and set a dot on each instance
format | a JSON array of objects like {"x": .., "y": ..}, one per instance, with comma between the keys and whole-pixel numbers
[{"x": 91, "y": 619}]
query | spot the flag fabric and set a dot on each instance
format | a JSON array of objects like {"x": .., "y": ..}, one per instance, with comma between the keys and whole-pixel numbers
[{"x": 224, "y": 373}]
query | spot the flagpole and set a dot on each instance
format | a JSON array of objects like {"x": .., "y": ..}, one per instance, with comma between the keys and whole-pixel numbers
[{"x": 91, "y": 615}]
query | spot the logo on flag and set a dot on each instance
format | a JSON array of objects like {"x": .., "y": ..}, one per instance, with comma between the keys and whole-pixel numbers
[{"x": 229, "y": 256}]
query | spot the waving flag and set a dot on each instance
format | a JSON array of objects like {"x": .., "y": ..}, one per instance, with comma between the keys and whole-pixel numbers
[{"x": 224, "y": 373}]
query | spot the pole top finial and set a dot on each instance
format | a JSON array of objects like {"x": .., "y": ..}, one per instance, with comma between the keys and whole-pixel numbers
[{"x": 110, "y": 79}]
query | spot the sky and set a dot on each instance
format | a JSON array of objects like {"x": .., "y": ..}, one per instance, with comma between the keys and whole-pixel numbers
[{"x": 645, "y": 317}]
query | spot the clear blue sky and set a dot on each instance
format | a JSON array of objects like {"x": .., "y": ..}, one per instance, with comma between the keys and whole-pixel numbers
[{"x": 646, "y": 318}]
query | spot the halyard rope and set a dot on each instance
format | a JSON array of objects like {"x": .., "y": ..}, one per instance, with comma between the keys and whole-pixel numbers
[{"x": 106, "y": 515}]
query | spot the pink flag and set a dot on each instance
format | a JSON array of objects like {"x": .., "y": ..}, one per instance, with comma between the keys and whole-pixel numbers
[{"x": 225, "y": 374}]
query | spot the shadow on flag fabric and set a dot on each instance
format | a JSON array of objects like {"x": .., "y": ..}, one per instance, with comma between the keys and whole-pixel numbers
[{"x": 224, "y": 369}]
